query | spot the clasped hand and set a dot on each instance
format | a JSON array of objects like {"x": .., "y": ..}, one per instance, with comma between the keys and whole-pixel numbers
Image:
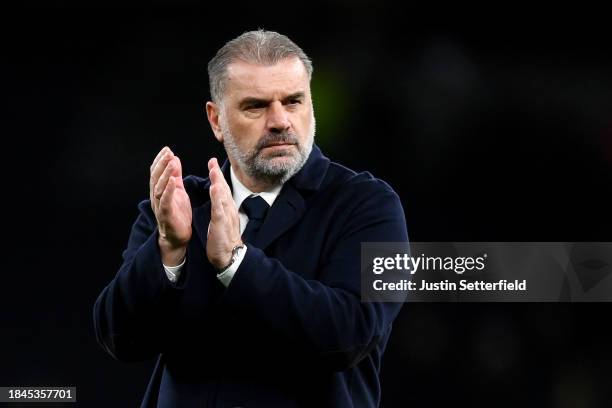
[{"x": 172, "y": 209}]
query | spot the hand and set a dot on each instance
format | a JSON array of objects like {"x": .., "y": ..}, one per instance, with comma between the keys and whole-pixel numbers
[
  {"x": 171, "y": 206},
  {"x": 224, "y": 228}
]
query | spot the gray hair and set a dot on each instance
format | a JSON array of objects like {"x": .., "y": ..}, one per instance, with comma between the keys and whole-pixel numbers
[{"x": 259, "y": 47}]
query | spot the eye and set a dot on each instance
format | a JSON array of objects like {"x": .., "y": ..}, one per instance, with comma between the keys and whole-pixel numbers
[
  {"x": 255, "y": 106},
  {"x": 294, "y": 102}
]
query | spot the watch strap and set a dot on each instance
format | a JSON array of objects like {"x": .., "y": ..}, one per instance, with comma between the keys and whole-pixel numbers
[{"x": 235, "y": 251}]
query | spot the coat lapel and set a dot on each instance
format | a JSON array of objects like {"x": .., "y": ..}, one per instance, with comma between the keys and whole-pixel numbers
[{"x": 287, "y": 209}]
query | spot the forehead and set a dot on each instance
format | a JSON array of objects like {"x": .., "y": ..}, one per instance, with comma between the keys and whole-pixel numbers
[{"x": 247, "y": 79}]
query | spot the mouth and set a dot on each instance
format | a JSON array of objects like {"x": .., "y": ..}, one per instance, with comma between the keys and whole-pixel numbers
[{"x": 278, "y": 145}]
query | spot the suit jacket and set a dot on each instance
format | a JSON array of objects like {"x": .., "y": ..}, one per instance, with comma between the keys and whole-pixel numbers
[{"x": 290, "y": 329}]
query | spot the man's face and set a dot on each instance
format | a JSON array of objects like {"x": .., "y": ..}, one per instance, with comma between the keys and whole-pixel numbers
[{"x": 266, "y": 120}]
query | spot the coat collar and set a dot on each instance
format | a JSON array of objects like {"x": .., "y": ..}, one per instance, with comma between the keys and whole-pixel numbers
[{"x": 288, "y": 207}]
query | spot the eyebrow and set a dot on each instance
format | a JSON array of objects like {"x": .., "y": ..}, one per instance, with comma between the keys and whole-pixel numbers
[{"x": 250, "y": 100}]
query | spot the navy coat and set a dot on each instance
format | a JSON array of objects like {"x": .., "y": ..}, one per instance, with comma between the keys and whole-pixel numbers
[{"x": 290, "y": 329}]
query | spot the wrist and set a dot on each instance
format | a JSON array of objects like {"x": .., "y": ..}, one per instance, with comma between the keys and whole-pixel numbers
[
  {"x": 171, "y": 255},
  {"x": 230, "y": 258}
]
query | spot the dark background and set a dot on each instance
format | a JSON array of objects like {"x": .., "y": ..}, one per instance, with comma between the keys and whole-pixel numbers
[{"x": 492, "y": 125}]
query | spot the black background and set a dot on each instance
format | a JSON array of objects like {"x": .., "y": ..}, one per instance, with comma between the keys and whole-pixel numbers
[{"x": 492, "y": 125}]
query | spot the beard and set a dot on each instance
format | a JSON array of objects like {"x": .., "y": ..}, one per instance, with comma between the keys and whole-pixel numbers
[{"x": 266, "y": 166}]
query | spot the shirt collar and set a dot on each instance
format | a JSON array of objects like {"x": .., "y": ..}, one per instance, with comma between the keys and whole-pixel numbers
[{"x": 240, "y": 192}]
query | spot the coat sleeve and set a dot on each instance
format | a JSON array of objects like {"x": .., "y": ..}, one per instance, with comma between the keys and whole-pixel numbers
[
  {"x": 133, "y": 311},
  {"x": 324, "y": 318}
]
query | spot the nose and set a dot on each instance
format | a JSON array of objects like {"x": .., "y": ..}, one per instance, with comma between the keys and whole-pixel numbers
[{"x": 278, "y": 119}]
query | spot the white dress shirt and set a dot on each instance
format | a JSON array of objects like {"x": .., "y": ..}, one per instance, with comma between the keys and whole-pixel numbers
[{"x": 239, "y": 193}]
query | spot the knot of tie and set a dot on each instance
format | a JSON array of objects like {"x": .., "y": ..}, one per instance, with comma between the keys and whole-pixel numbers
[{"x": 255, "y": 208}]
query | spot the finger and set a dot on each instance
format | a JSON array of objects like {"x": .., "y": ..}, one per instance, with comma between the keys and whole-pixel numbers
[
  {"x": 221, "y": 188},
  {"x": 228, "y": 199},
  {"x": 217, "y": 212},
  {"x": 223, "y": 182},
  {"x": 163, "y": 180},
  {"x": 159, "y": 168},
  {"x": 231, "y": 213},
  {"x": 159, "y": 156},
  {"x": 223, "y": 205},
  {"x": 217, "y": 178},
  {"x": 165, "y": 200},
  {"x": 178, "y": 173},
  {"x": 179, "y": 167},
  {"x": 213, "y": 175},
  {"x": 212, "y": 162}
]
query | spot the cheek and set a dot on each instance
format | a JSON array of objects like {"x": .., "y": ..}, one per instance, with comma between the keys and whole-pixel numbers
[
  {"x": 247, "y": 131},
  {"x": 303, "y": 122}
]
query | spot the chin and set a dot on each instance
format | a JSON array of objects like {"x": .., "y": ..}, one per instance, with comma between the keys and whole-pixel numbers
[{"x": 280, "y": 163}]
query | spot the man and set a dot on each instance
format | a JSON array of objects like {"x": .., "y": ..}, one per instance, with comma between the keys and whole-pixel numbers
[{"x": 247, "y": 284}]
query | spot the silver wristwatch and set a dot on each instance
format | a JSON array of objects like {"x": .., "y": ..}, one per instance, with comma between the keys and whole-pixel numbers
[{"x": 235, "y": 251}]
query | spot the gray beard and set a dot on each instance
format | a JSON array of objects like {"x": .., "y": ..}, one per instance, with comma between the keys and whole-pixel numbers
[{"x": 262, "y": 168}]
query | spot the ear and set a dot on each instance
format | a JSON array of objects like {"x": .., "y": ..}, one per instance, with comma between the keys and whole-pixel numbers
[{"x": 212, "y": 112}]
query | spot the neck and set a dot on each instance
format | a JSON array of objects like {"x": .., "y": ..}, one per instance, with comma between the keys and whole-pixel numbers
[{"x": 254, "y": 185}]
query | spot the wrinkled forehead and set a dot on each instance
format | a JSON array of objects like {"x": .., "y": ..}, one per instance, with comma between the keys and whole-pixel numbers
[{"x": 286, "y": 77}]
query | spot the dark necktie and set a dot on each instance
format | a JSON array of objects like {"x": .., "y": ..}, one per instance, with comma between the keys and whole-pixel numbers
[{"x": 256, "y": 209}]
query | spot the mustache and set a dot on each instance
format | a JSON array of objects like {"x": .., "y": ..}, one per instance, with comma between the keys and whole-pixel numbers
[{"x": 276, "y": 138}]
